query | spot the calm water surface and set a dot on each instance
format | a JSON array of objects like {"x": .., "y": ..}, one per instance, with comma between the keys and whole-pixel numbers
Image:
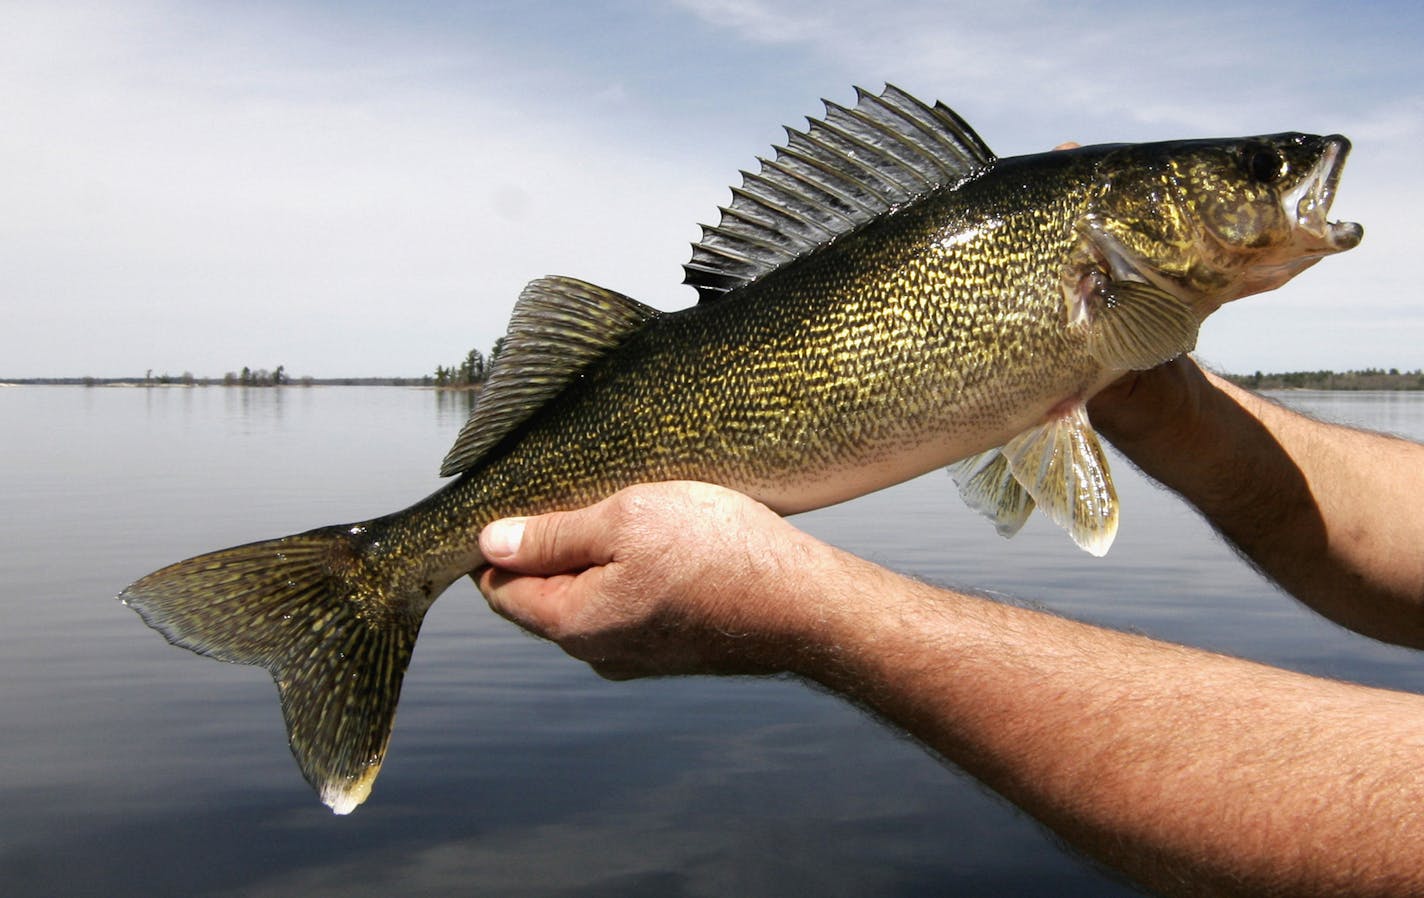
[{"x": 134, "y": 768}]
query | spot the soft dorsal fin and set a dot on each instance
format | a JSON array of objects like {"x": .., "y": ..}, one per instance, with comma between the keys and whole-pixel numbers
[
  {"x": 843, "y": 171},
  {"x": 558, "y": 328}
]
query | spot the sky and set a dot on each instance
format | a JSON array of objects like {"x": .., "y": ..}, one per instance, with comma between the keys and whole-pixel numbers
[{"x": 362, "y": 188}]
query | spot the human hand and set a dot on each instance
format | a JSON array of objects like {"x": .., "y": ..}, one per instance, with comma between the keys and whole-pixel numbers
[
  {"x": 1157, "y": 408},
  {"x": 658, "y": 579}
]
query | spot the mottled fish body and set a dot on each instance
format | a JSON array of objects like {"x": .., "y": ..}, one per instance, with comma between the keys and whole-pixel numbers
[{"x": 882, "y": 298}]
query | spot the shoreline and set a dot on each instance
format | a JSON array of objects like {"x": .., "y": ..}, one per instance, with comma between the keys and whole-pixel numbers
[{"x": 1369, "y": 380}]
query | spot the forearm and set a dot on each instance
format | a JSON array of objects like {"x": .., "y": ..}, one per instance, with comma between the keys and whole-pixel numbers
[
  {"x": 1194, "y": 773},
  {"x": 1330, "y": 513}
]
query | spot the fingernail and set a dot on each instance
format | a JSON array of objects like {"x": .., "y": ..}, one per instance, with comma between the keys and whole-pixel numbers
[{"x": 501, "y": 539}]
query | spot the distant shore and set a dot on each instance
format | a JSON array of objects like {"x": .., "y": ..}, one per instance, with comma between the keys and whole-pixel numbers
[
  {"x": 158, "y": 382},
  {"x": 1367, "y": 379}
]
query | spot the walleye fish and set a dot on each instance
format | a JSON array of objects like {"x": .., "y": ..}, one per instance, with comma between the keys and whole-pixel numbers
[{"x": 882, "y": 298}]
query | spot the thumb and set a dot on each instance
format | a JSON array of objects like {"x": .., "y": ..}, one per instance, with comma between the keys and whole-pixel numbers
[
  {"x": 547, "y": 544},
  {"x": 500, "y": 540}
]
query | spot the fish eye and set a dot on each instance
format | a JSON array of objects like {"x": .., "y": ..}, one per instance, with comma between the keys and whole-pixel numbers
[{"x": 1263, "y": 164}]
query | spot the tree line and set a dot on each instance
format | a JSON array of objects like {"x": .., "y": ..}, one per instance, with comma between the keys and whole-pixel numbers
[
  {"x": 476, "y": 368},
  {"x": 259, "y": 377},
  {"x": 472, "y": 371},
  {"x": 1365, "y": 379}
]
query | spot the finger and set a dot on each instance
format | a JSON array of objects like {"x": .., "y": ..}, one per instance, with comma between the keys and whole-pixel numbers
[
  {"x": 538, "y": 604},
  {"x": 547, "y": 544}
]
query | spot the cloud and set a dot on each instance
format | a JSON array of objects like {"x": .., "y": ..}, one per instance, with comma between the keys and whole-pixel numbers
[
  {"x": 221, "y": 192},
  {"x": 1207, "y": 66},
  {"x": 191, "y": 187},
  {"x": 753, "y": 20}
]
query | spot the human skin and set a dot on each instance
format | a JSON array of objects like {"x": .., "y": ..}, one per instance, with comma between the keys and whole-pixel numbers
[
  {"x": 1193, "y": 773},
  {"x": 1334, "y": 515}
]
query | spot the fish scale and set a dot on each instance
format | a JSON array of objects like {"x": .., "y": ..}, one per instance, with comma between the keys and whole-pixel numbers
[{"x": 884, "y": 297}]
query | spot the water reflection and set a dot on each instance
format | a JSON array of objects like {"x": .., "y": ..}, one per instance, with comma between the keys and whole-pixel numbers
[
  {"x": 133, "y": 768},
  {"x": 255, "y": 407},
  {"x": 1388, "y": 411},
  {"x": 454, "y": 404}
]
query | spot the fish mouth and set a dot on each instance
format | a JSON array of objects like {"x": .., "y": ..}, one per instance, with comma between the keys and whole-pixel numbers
[{"x": 1308, "y": 203}]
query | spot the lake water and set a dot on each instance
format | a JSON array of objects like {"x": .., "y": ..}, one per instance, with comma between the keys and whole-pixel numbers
[{"x": 134, "y": 768}]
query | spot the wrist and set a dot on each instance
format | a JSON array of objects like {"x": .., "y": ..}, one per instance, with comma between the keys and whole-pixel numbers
[
  {"x": 815, "y": 596},
  {"x": 851, "y": 621},
  {"x": 1217, "y": 446},
  {"x": 1185, "y": 428},
  {"x": 1151, "y": 413}
]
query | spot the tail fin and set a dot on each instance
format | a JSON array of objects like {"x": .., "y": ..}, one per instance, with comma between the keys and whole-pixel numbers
[{"x": 306, "y": 608}]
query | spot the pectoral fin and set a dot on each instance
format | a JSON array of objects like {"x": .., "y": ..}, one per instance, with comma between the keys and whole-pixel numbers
[
  {"x": 1061, "y": 465},
  {"x": 988, "y": 486},
  {"x": 1136, "y": 326}
]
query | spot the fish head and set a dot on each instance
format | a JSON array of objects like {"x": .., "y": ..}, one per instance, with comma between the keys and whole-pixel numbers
[{"x": 1215, "y": 220}]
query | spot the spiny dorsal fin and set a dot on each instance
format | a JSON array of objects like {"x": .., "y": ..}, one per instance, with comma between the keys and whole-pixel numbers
[
  {"x": 843, "y": 171},
  {"x": 559, "y": 327}
]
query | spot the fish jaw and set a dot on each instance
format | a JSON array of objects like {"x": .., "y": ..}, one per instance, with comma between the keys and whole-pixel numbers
[
  {"x": 1313, "y": 236},
  {"x": 1309, "y": 203}
]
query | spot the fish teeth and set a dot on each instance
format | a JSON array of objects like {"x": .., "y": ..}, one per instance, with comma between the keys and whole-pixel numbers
[{"x": 1309, "y": 201}]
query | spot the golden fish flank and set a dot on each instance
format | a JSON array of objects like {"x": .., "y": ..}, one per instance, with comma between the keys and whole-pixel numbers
[{"x": 883, "y": 297}]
